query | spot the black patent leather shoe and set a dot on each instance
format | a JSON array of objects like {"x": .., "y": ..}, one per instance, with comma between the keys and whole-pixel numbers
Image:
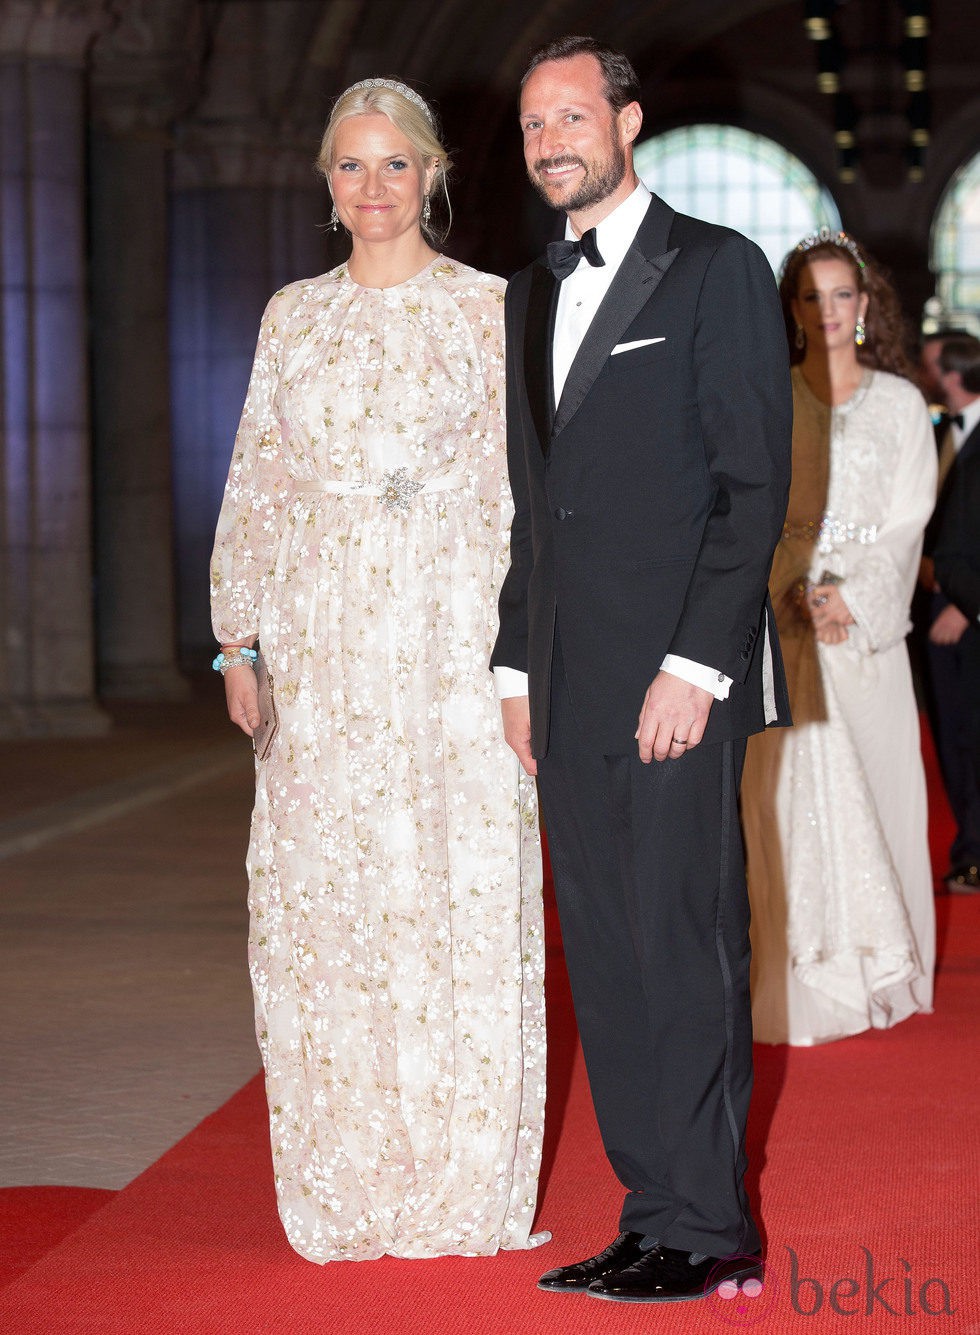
[
  {"x": 577, "y": 1278},
  {"x": 665, "y": 1275}
]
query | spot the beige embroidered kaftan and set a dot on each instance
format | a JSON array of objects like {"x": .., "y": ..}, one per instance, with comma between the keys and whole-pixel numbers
[{"x": 834, "y": 809}]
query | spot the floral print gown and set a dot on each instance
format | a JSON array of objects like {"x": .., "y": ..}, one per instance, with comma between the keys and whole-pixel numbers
[{"x": 394, "y": 864}]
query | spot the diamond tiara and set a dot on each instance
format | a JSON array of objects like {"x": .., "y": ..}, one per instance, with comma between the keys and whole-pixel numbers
[
  {"x": 401, "y": 88},
  {"x": 826, "y": 237}
]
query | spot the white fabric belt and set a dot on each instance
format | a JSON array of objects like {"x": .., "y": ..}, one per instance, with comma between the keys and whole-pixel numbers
[{"x": 396, "y": 489}]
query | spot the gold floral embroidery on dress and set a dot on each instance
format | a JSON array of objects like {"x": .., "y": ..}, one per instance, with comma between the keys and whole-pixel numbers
[{"x": 396, "y": 948}]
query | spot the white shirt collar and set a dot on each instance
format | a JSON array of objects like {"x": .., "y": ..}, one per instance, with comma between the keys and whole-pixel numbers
[{"x": 615, "y": 234}]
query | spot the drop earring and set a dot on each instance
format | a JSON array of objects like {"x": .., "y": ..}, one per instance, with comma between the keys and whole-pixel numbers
[
  {"x": 860, "y": 333},
  {"x": 334, "y": 218},
  {"x": 800, "y": 339},
  {"x": 426, "y": 212}
]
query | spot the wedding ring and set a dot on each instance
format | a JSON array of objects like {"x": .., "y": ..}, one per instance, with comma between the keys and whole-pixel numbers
[{"x": 680, "y": 741}]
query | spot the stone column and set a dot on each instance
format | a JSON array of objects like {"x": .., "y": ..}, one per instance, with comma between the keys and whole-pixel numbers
[
  {"x": 138, "y": 86},
  {"x": 247, "y": 218},
  {"x": 47, "y": 681}
]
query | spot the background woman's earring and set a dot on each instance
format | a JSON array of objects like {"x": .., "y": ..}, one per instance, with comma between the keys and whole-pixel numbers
[
  {"x": 426, "y": 212},
  {"x": 334, "y": 218},
  {"x": 800, "y": 339},
  {"x": 860, "y": 333}
]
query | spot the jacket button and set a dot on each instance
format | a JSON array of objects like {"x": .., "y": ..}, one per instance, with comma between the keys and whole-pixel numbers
[{"x": 561, "y": 513}]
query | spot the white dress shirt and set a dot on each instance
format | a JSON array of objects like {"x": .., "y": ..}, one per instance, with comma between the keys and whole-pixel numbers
[
  {"x": 971, "y": 417},
  {"x": 579, "y": 298}
]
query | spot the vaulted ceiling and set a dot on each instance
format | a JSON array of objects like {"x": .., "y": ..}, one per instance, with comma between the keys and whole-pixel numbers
[{"x": 272, "y": 67}]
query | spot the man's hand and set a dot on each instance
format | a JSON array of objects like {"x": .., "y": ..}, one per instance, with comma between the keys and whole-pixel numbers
[
  {"x": 673, "y": 717},
  {"x": 242, "y": 696},
  {"x": 948, "y": 626},
  {"x": 517, "y": 730}
]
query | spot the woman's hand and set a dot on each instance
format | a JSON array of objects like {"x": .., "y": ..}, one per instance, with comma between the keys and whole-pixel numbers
[
  {"x": 831, "y": 635},
  {"x": 829, "y": 613},
  {"x": 242, "y": 696}
]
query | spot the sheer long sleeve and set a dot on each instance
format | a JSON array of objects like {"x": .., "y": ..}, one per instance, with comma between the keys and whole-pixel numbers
[
  {"x": 255, "y": 497},
  {"x": 881, "y": 574},
  {"x": 495, "y": 497}
]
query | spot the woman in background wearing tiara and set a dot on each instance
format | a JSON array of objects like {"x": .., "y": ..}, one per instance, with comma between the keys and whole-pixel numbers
[
  {"x": 394, "y": 867},
  {"x": 834, "y": 810}
]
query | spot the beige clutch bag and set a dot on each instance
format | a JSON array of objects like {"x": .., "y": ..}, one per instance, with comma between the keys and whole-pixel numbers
[{"x": 265, "y": 734}]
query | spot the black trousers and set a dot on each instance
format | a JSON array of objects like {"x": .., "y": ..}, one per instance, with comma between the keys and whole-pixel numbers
[
  {"x": 954, "y": 687},
  {"x": 650, "y": 884},
  {"x": 970, "y": 665}
]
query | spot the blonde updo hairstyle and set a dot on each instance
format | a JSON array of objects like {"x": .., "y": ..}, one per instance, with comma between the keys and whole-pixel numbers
[{"x": 408, "y": 117}]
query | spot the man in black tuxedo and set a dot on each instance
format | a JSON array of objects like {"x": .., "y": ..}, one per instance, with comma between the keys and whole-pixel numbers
[
  {"x": 954, "y": 636},
  {"x": 649, "y": 446}
]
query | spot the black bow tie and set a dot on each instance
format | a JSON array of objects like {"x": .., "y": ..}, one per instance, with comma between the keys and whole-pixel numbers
[
  {"x": 563, "y": 256},
  {"x": 955, "y": 419}
]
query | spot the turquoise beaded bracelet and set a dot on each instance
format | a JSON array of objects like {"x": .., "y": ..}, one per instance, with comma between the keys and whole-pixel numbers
[{"x": 240, "y": 656}]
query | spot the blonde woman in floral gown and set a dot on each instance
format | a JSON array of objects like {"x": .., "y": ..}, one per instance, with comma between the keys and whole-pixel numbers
[
  {"x": 834, "y": 809},
  {"x": 394, "y": 864}
]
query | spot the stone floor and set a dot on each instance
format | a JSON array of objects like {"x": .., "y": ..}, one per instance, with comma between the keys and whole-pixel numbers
[{"x": 125, "y": 1008}]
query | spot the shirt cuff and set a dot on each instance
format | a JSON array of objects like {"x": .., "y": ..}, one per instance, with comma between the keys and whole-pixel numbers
[
  {"x": 509, "y": 682},
  {"x": 709, "y": 679}
]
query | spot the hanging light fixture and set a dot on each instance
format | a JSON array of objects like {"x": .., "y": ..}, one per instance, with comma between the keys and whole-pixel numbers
[
  {"x": 914, "y": 55},
  {"x": 818, "y": 22}
]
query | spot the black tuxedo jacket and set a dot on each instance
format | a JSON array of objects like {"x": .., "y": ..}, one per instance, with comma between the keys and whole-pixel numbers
[
  {"x": 650, "y": 499},
  {"x": 957, "y": 552},
  {"x": 931, "y": 535}
]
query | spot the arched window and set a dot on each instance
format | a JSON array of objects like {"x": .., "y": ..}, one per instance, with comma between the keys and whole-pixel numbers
[
  {"x": 955, "y": 253},
  {"x": 728, "y": 175}
]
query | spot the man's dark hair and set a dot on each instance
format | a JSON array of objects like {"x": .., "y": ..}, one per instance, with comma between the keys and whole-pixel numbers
[
  {"x": 621, "y": 84},
  {"x": 962, "y": 355},
  {"x": 941, "y": 335}
]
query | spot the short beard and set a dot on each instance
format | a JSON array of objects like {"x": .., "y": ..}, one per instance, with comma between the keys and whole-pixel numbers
[{"x": 593, "y": 189}]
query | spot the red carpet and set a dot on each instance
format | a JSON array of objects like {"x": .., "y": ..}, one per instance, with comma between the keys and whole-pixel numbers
[
  {"x": 35, "y": 1219},
  {"x": 865, "y": 1161}
]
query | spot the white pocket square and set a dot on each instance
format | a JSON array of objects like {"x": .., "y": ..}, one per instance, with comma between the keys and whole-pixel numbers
[{"x": 637, "y": 343}]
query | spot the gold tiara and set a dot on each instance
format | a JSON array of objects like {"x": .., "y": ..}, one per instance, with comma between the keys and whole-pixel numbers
[
  {"x": 825, "y": 237},
  {"x": 402, "y": 89}
]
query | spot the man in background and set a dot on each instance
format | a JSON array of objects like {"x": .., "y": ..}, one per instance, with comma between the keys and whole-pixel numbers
[{"x": 953, "y": 655}]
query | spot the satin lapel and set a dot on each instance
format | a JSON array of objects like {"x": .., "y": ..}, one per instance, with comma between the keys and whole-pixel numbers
[
  {"x": 539, "y": 326},
  {"x": 630, "y": 291}
]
